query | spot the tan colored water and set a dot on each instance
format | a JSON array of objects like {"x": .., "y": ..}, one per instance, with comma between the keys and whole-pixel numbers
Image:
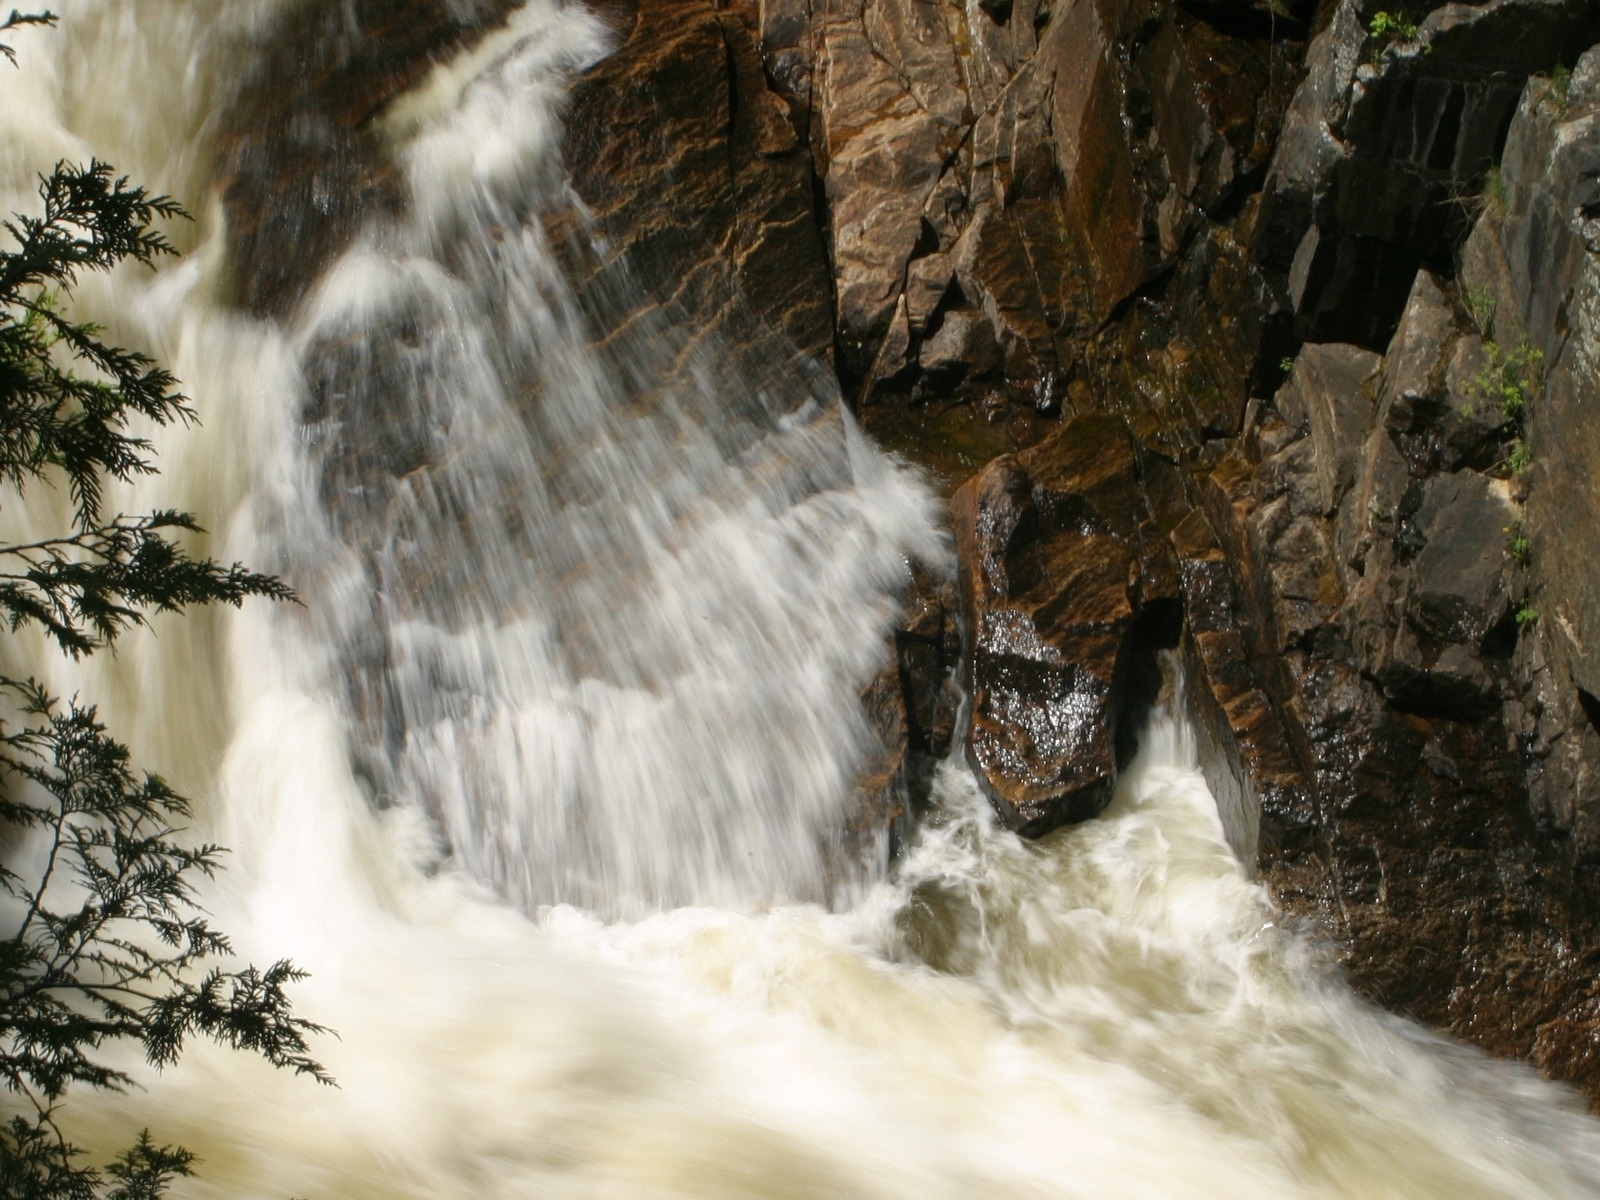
[{"x": 1113, "y": 1012}]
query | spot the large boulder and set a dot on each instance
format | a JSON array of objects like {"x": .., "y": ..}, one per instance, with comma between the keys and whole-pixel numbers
[{"x": 1066, "y": 591}]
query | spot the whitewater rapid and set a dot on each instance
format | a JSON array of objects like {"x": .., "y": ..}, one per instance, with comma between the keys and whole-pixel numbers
[{"x": 552, "y": 896}]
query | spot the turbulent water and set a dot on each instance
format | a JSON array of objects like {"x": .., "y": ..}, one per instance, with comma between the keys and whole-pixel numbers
[{"x": 536, "y": 782}]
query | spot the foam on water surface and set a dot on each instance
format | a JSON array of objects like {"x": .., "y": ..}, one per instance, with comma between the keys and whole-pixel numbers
[{"x": 603, "y": 644}]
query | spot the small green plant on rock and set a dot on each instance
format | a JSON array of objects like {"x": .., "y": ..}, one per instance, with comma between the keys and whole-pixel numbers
[
  {"x": 1560, "y": 85},
  {"x": 1480, "y": 306},
  {"x": 1494, "y": 198},
  {"x": 1526, "y": 614},
  {"x": 1519, "y": 458},
  {"x": 1519, "y": 545},
  {"x": 1388, "y": 28},
  {"x": 1510, "y": 378},
  {"x": 1392, "y": 27}
]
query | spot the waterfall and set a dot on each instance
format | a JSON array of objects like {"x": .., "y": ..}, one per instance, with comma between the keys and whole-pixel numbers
[
  {"x": 538, "y": 783},
  {"x": 603, "y": 614}
]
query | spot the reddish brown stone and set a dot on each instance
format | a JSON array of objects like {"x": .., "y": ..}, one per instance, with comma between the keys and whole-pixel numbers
[
  {"x": 1052, "y": 584},
  {"x": 695, "y": 170}
]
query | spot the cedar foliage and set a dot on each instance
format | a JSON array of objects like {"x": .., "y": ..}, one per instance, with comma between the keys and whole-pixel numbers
[{"x": 101, "y": 940}]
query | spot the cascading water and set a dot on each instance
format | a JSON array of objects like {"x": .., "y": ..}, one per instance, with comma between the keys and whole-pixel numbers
[
  {"x": 601, "y": 639},
  {"x": 608, "y": 635}
]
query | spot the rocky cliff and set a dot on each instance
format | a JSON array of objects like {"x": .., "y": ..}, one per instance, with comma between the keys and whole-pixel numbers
[
  {"x": 1258, "y": 332},
  {"x": 1261, "y": 333}
]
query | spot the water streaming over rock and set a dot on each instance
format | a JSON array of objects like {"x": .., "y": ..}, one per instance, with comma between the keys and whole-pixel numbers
[{"x": 593, "y": 618}]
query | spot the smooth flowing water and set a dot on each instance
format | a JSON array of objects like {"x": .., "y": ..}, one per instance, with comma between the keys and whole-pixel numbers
[{"x": 537, "y": 783}]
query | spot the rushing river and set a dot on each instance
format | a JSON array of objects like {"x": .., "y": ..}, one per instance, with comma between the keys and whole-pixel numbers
[{"x": 603, "y": 641}]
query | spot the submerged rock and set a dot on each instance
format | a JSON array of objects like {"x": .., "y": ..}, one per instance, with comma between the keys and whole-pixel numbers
[
  {"x": 301, "y": 163},
  {"x": 695, "y": 173}
]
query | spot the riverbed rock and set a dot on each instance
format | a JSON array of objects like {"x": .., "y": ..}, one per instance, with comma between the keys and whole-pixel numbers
[
  {"x": 1039, "y": 163},
  {"x": 1435, "y": 737},
  {"x": 1058, "y": 588},
  {"x": 300, "y": 161},
  {"x": 911, "y": 706}
]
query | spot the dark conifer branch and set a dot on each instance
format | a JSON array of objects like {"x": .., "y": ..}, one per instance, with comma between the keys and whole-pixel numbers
[{"x": 110, "y": 942}]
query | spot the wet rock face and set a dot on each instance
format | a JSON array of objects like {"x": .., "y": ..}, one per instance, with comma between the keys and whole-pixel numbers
[
  {"x": 1009, "y": 220},
  {"x": 911, "y": 704},
  {"x": 1533, "y": 266},
  {"x": 300, "y": 164},
  {"x": 695, "y": 172},
  {"x": 1371, "y": 578},
  {"x": 1067, "y": 590}
]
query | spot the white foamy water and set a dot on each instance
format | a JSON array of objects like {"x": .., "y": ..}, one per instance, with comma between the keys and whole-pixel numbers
[{"x": 603, "y": 643}]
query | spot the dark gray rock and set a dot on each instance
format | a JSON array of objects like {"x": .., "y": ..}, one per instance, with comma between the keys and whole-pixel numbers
[
  {"x": 1555, "y": 725},
  {"x": 1413, "y": 366},
  {"x": 1459, "y": 591},
  {"x": 1470, "y": 425},
  {"x": 1537, "y": 263},
  {"x": 1421, "y": 678},
  {"x": 1382, "y": 143},
  {"x": 963, "y": 342},
  {"x": 1367, "y": 516},
  {"x": 1534, "y": 262},
  {"x": 1436, "y": 399},
  {"x": 1327, "y": 394}
]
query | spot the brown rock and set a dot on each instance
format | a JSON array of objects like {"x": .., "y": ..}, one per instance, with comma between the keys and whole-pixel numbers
[
  {"x": 692, "y": 167},
  {"x": 1050, "y": 570},
  {"x": 911, "y": 706},
  {"x": 887, "y": 103},
  {"x": 1251, "y": 761},
  {"x": 299, "y": 162}
]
